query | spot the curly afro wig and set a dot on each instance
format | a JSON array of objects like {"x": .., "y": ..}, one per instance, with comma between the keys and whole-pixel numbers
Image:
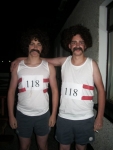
[
  {"x": 68, "y": 34},
  {"x": 35, "y": 34}
]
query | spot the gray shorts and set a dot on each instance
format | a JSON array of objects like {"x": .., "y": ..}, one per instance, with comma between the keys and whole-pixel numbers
[
  {"x": 80, "y": 131},
  {"x": 28, "y": 124}
]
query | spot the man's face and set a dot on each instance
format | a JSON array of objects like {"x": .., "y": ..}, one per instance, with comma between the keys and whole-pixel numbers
[
  {"x": 35, "y": 48},
  {"x": 77, "y": 45}
]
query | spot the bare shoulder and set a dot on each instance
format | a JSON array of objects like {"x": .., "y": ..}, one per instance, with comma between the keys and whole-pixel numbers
[
  {"x": 95, "y": 65},
  {"x": 94, "y": 61},
  {"x": 96, "y": 70},
  {"x": 14, "y": 71}
]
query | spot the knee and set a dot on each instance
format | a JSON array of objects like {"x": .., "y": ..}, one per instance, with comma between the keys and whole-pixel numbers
[
  {"x": 24, "y": 147},
  {"x": 43, "y": 146}
]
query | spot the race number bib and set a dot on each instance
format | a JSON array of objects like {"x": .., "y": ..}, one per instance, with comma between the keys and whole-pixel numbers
[
  {"x": 34, "y": 82},
  {"x": 71, "y": 90}
]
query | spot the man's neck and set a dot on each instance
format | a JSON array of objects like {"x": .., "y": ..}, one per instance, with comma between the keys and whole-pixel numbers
[
  {"x": 78, "y": 60},
  {"x": 34, "y": 61}
]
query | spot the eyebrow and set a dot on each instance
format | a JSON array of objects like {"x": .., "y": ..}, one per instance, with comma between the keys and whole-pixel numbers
[{"x": 78, "y": 41}]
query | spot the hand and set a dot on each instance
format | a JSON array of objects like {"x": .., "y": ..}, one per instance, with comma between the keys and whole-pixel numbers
[
  {"x": 98, "y": 124},
  {"x": 13, "y": 122},
  {"x": 52, "y": 121},
  {"x": 15, "y": 63}
]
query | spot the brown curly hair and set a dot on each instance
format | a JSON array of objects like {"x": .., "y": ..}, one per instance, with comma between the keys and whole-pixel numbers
[
  {"x": 31, "y": 34},
  {"x": 67, "y": 35}
]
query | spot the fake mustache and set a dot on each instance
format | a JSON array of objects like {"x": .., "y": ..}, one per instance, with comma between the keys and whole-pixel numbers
[
  {"x": 34, "y": 50},
  {"x": 79, "y": 48}
]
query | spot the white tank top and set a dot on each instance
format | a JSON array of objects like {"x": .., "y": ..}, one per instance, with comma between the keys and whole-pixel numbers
[
  {"x": 77, "y": 90},
  {"x": 33, "y": 98}
]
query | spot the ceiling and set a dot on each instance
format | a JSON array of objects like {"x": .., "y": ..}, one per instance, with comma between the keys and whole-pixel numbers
[{"x": 49, "y": 15}]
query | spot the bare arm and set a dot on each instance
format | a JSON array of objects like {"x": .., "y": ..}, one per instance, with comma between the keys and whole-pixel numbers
[
  {"x": 55, "y": 61},
  {"x": 15, "y": 63},
  {"x": 58, "y": 61},
  {"x": 54, "y": 89},
  {"x": 101, "y": 96},
  {"x": 11, "y": 98}
]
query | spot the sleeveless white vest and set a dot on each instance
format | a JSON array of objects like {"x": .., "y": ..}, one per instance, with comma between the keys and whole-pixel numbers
[
  {"x": 33, "y": 98},
  {"x": 76, "y": 102}
]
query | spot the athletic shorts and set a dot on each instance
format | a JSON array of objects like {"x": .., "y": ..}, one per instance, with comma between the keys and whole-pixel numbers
[
  {"x": 27, "y": 124},
  {"x": 80, "y": 131}
]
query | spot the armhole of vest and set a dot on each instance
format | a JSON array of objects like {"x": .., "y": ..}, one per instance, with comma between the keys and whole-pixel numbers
[
  {"x": 92, "y": 65},
  {"x": 18, "y": 69},
  {"x": 48, "y": 67},
  {"x": 65, "y": 61}
]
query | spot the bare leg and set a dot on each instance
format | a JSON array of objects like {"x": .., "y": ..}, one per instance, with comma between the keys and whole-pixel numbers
[
  {"x": 42, "y": 142},
  {"x": 64, "y": 147},
  {"x": 24, "y": 143},
  {"x": 80, "y": 147}
]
